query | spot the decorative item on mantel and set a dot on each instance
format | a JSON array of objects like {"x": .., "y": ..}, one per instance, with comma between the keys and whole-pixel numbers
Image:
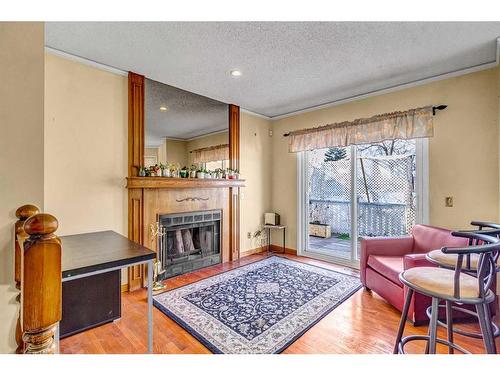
[
  {"x": 173, "y": 170},
  {"x": 157, "y": 232},
  {"x": 165, "y": 170},
  {"x": 141, "y": 171},
  {"x": 155, "y": 170},
  {"x": 192, "y": 171},
  {"x": 184, "y": 173},
  {"x": 200, "y": 173},
  {"x": 219, "y": 173},
  {"x": 232, "y": 174}
]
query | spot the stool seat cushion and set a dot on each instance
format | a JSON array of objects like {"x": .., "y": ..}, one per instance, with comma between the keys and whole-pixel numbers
[
  {"x": 450, "y": 260},
  {"x": 440, "y": 282}
]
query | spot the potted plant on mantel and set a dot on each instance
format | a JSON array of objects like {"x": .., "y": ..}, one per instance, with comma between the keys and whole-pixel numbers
[
  {"x": 219, "y": 172},
  {"x": 141, "y": 171},
  {"x": 165, "y": 170},
  {"x": 200, "y": 173},
  {"x": 155, "y": 170},
  {"x": 174, "y": 169},
  {"x": 192, "y": 171},
  {"x": 184, "y": 173}
]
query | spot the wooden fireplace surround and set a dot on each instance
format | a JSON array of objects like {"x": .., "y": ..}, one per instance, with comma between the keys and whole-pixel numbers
[{"x": 149, "y": 197}]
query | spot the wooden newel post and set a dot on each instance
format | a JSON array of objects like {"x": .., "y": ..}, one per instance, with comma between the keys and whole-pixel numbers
[
  {"x": 22, "y": 213},
  {"x": 41, "y": 285}
]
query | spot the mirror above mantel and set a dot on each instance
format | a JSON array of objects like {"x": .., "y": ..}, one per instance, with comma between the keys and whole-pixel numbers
[
  {"x": 198, "y": 124},
  {"x": 184, "y": 129}
]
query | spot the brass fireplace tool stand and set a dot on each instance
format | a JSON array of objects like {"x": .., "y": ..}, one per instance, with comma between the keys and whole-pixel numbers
[{"x": 157, "y": 232}]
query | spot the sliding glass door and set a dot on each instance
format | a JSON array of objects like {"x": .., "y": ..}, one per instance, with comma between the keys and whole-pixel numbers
[{"x": 366, "y": 190}]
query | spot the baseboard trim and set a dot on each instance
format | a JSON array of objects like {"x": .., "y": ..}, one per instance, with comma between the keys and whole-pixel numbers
[
  {"x": 279, "y": 249},
  {"x": 124, "y": 288},
  {"x": 274, "y": 248},
  {"x": 256, "y": 250}
]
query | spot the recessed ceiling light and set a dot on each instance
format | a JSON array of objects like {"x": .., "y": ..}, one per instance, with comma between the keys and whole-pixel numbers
[
  {"x": 163, "y": 108},
  {"x": 236, "y": 73}
]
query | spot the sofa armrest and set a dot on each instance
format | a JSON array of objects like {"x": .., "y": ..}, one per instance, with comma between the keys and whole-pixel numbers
[
  {"x": 390, "y": 246},
  {"x": 416, "y": 260}
]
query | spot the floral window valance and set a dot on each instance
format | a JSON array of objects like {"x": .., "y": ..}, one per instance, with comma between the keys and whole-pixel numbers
[
  {"x": 413, "y": 123},
  {"x": 213, "y": 153}
]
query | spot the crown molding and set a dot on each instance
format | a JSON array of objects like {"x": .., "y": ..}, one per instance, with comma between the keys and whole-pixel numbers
[
  {"x": 85, "y": 61},
  {"x": 247, "y": 111}
]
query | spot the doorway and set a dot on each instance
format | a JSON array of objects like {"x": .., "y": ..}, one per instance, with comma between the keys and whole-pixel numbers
[{"x": 346, "y": 193}]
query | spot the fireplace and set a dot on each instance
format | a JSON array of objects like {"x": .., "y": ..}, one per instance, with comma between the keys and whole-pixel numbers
[{"x": 189, "y": 241}]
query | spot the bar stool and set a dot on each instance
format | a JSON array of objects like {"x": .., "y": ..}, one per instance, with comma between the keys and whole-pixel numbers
[
  {"x": 453, "y": 286},
  {"x": 469, "y": 266}
]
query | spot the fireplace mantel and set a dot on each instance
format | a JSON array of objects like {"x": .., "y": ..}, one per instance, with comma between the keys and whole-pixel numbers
[
  {"x": 151, "y": 197},
  {"x": 180, "y": 183}
]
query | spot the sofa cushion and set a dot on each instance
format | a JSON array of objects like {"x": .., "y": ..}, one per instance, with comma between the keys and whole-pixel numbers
[{"x": 387, "y": 266}]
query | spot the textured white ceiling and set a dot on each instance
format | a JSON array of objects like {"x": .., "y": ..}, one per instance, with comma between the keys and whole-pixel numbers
[
  {"x": 287, "y": 66},
  {"x": 188, "y": 115}
]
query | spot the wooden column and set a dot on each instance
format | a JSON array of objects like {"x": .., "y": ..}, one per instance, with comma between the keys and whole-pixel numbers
[
  {"x": 135, "y": 122},
  {"x": 41, "y": 285},
  {"x": 234, "y": 162},
  {"x": 135, "y": 158}
]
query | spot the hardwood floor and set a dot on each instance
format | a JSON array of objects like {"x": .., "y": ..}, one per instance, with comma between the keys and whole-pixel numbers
[{"x": 364, "y": 323}]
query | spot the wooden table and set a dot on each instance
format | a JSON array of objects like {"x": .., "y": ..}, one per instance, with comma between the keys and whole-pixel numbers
[
  {"x": 269, "y": 227},
  {"x": 84, "y": 256}
]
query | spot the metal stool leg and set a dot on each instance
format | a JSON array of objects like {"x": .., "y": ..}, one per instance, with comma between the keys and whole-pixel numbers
[
  {"x": 426, "y": 351},
  {"x": 490, "y": 328},
  {"x": 449, "y": 325},
  {"x": 402, "y": 322},
  {"x": 433, "y": 325},
  {"x": 484, "y": 323}
]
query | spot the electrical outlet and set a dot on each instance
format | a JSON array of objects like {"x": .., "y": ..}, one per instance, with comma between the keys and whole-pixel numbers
[
  {"x": 448, "y": 201},
  {"x": 270, "y": 133},
  {"x": 249, "y": 235}
]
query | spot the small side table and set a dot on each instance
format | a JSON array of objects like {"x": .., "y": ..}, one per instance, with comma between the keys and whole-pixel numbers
[{"x": 269, "y": 227}]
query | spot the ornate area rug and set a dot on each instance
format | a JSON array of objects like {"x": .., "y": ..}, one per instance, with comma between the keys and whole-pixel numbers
[{"x": 259, "y": 308}]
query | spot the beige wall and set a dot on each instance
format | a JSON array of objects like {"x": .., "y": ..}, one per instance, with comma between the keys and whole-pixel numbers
[
  {"x": 177, "y": 152},
  {"x": 85, "y": 147},
  {"x": 463, "y": 154},
  {"x": 255, "y": 168},
  {"x": 21, "y": 149},
  {"x": 162, "y": 152}
]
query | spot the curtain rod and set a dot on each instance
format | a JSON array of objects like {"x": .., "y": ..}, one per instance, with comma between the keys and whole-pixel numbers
[{"x": 434, "y": 109}]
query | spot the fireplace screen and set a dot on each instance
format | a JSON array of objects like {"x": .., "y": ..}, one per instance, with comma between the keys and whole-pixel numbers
[{"x": 190, "y": 241}]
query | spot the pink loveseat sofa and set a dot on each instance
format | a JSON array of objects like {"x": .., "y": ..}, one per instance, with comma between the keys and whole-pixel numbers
[{"x": 384, "y": 258}]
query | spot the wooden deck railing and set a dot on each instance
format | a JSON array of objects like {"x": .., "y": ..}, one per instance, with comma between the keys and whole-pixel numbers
[
  {"x": 39, "y": 278},
  {"x": 374, "y": 219}
]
